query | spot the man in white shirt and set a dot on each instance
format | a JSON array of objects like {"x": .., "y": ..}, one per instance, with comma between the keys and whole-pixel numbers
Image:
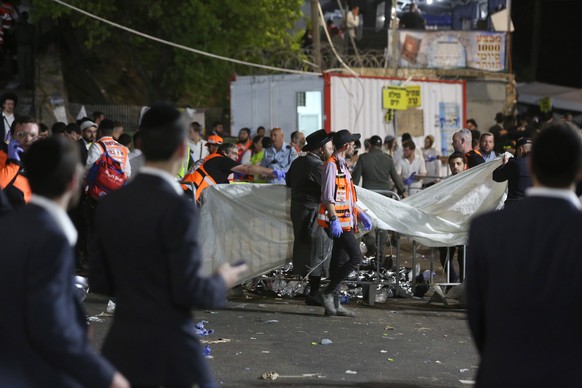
[
  {"x": 353, "y": 21},
  {"x": 9, "y": 102},
  {"x": 198, "y": 148},
  {"x": 411, "y": 167}
]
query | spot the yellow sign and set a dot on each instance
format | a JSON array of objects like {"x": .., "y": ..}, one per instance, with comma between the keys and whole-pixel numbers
[
  {"x": 394, "y": 97},
  {"x": 399, "y": 98},
  {"x": 545, "y": 104},
  {"x": 413, "y": 93}
]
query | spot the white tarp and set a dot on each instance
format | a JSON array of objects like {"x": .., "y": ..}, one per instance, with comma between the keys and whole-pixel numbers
[{"x": 252, "y": 222}]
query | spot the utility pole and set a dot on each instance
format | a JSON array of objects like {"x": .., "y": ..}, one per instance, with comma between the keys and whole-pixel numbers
[
  {"x": 395, "y": 41},
  {"x": 316, "y": 49}
]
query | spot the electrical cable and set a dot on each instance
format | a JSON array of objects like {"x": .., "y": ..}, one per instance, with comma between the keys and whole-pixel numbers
[{"x": 159, "y": 40}]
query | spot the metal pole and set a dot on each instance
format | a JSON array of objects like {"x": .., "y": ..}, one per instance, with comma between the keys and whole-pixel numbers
[
  {"x": 315, "y": 33},
  {"x": 395, "y": 39}
]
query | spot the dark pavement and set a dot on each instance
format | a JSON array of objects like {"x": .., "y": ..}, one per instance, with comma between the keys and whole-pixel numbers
[{"x": 399, "y": 343}]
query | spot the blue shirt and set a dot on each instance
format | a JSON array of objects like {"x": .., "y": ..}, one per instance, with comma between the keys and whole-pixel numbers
[{"x": 279, "y": 160}]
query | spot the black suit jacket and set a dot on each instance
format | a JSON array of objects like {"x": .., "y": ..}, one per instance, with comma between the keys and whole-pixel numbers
[
  {"x": 83, "y": 150},
  {"x": 525, "y": 312},
  {"x": 304, "y": 180},
  {"x": 517, "y": 175},
  {"x": 148, "y": 255},
  {"x": 43, "y": 339}
]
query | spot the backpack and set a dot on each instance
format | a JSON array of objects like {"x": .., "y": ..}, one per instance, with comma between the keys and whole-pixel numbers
[{"x": 104, "y": 176}]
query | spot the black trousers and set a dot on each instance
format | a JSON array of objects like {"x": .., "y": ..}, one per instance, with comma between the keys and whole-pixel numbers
[
  {"x": 453, "y": 277},
  {"x": 345, "y": 257}
]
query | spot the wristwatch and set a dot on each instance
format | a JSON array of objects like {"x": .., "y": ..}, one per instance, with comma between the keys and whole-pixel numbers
[{"x": 332, "y": 218}]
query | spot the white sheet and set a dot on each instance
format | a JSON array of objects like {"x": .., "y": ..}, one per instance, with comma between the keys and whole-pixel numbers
[{"x": 252, "y": 222}]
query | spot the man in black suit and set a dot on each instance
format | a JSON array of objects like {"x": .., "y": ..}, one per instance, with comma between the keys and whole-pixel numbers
[
  {"x": 42, "y": 326},
  {"x": 311, "y": 244},
  {"x": 515, "y": 171},
  {"x": 88, "y": 136},
  {"x": 523, "y": 311},
  {"x": 153, "y": 268}
]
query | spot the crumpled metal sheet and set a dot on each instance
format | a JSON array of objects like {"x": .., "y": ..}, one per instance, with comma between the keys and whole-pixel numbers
[{"x": 390, "y": 283}]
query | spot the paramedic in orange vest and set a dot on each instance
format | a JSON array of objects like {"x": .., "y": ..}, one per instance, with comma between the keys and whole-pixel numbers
[
  {"x": 219, "y": 165},
  {"x": 339, "y": 216},
  {"x": 13, "y": 181},
  {"x": 115, "y": 150}
]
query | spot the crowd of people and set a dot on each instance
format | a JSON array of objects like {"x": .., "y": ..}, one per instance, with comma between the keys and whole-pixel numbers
[{"x": 143, "y": 250}]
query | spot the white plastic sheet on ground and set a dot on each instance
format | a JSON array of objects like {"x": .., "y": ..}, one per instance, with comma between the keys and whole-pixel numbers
[{"x": 252, "y": 222}]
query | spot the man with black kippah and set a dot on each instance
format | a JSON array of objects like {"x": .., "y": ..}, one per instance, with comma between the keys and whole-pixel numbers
[
  {"x": 521, "y": 297},
  {"x": 153, "y": 269},
  {"x": 42, "y": 327}
]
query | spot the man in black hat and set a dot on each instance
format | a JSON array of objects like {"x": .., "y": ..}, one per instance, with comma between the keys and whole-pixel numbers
[
  {"x": 339, "y": 216},
  {"x": 515, "y": 171},
  {"x": 312, "y": 246}
]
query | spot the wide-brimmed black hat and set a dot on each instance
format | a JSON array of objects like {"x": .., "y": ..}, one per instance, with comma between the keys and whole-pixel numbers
[
  {"x": 343, "y": 137},
  {"x": 316, "y": 139}
]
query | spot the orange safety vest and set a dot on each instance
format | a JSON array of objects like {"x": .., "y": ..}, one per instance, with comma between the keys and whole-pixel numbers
[
  {"x": 12, "y": 181},
  {"x": 116, "y": 150},
  {"x": 200, "y": 177},
  {"x": 242, "y": 148},
  {"x": 345, "y": 196}
]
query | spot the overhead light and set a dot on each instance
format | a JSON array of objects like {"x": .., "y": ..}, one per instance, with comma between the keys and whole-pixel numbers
[{"x": 429, "y": 2}]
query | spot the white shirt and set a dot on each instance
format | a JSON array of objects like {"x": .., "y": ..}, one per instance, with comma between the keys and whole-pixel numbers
[
  {"x": 59, "y": 215},
  {"x": 405, "y": 168},
  {"x": 8, "y": 120},
  {"x": 198, "y": 150},
  {"x": 352, "y": 23},
  {"x": 164, "y": 175}
]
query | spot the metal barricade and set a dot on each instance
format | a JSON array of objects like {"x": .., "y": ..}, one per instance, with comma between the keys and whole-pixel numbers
[
  {"x": 372, "y": 286},
  {"x": 439, "y": 295}
]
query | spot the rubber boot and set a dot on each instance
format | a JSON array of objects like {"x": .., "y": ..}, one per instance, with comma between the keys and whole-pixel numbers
[
  {"x": 341, "y": 310},
  {"x": 328, "y": 304}
]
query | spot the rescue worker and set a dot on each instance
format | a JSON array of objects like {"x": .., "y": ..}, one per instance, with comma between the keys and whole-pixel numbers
[
  {"x": 244, "y": 142},
  {"x": 216, "y": 168},
  {"x": 339, "y": 216},
  {"x": 13, "y": 181}
]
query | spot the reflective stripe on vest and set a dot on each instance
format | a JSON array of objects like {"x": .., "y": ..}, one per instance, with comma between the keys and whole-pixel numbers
[
  {"x": 200, "y": 177},
  {"x": 343, "y": 204}
]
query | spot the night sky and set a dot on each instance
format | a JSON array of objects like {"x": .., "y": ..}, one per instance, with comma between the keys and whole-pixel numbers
[{"x": 559, "y": 45}]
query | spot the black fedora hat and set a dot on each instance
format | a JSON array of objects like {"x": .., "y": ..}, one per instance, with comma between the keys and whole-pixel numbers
[{"x": 316, "y": 139}]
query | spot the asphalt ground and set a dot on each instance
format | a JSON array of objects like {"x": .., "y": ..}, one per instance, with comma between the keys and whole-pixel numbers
[{"x": 403, "y": 342}]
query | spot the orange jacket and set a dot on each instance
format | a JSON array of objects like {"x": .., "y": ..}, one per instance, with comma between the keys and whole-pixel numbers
[
  {"x": 200, "y": 177},
  {"x": 11, "y": 172}
]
